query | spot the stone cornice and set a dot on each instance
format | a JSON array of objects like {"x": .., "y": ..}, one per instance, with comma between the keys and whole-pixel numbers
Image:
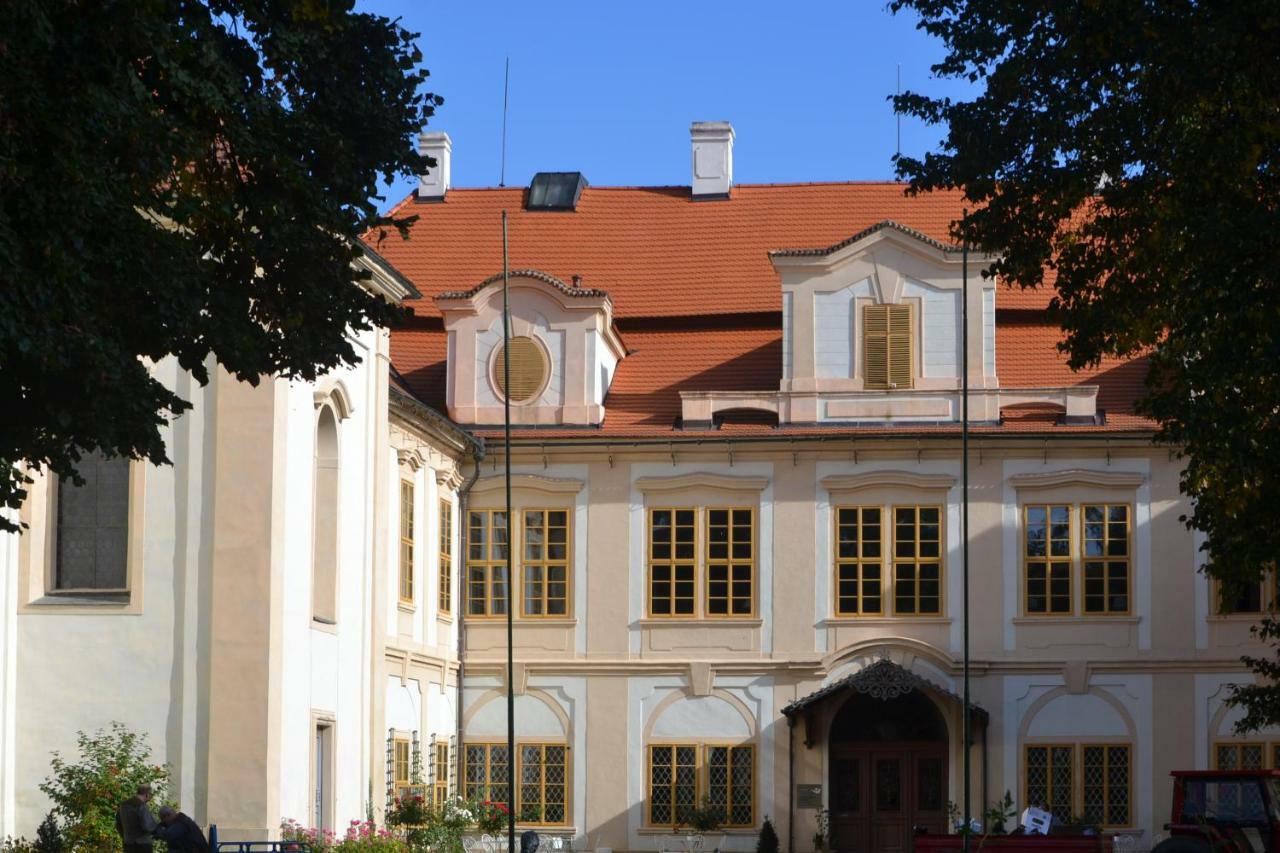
[
  {"x": 702, "y": 480},
  {"x": 886, "y": 479},
  {"x": 1077, "y": 477},
  {"x": 530, "y": 483}
]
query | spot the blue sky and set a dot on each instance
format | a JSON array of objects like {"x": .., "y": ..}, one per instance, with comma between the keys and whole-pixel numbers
[{"x": 609, "y": 88}]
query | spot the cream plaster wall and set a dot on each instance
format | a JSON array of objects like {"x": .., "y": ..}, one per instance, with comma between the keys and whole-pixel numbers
[{"x": 1078, "y": 679}]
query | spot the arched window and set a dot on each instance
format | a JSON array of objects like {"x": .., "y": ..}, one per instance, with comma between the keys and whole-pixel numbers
[{"x": 324, "y": 518}]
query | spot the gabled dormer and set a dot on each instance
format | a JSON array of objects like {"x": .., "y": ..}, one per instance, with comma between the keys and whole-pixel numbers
[
  {"x": 563, "y": 351},
  {"x": 872, "y": 333},
  {"x": 881, "y": 311}
]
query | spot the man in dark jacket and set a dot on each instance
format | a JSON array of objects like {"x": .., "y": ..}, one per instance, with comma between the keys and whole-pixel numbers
[
  {"x": 180, "y": 832},
  {"x": 135, "y": 822}
]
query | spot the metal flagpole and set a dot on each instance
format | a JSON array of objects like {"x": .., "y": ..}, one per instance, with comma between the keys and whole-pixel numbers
[
  {"x": 964, "y": 510},
  {"x": 510, "y": 597}
]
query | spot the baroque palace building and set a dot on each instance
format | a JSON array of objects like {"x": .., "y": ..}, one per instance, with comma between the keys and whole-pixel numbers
[{"x": 735, "y": 529}]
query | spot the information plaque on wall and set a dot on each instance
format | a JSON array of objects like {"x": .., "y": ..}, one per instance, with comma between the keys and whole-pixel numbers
[{"x": 808, "y": 796}]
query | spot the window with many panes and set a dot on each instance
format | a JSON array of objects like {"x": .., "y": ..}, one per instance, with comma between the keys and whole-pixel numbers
[
  {"x": 91, "y": 543},
  {"x": 673, "y": 561},
  {"x": 1069, "y": 569},
  {"x": 1046, "y": 554},
  {"x": 446, "y": 557},
  {"x": 1093, "y": 780},
  {"x": 726, "y": 563},
  {"x": 859, "y": 561},
  {"x": 484, "y": 771},
  {"x": 406, "y": 541},
  {"x": 1252, "y": 598},
  {"x": 679, "y": 776},
  {"x": 917, "y": 560},
  {"x": 545, "y": 564},
  {"x": 1239, "y": 756},
  {"x": 488, "y": 589},
  {"x": 543, "y": 788},
  {"x": 1105, "y": 558},
  {"x": 542, "y": 779},
  {"x": 731, "y": 560}
]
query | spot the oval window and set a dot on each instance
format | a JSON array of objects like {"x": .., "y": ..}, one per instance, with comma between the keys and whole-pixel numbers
[{"x": 528, "y": 369}]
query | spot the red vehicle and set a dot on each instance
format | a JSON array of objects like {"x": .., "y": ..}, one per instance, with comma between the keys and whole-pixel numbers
[{"x": 1225, "y": 811}]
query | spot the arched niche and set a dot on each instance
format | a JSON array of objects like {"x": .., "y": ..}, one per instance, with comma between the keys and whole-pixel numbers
[{"x": 719, "y": 716}]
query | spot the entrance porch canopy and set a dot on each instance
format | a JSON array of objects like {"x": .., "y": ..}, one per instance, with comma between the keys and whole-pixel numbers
[{"x": 883, "y": 680}]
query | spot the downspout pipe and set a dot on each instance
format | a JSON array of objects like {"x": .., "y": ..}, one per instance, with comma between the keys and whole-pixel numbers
[
  {"x": 791, "y": 783},
  {"x": 464, "y": 498}
]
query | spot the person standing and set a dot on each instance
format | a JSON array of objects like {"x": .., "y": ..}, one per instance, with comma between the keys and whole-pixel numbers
[
  {"x": 180, "y": 832},
  {"x": 135, "y": 822}
]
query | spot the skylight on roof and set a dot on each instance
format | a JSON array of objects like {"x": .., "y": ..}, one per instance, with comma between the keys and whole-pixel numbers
[{"x": 556, "y": 190}]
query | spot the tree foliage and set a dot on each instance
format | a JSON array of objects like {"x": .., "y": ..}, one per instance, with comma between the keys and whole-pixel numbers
[
  {"x": 1128, "y": 149},
  {"x": 184, "y": 178},
  {"x": 87, "y": 790}
]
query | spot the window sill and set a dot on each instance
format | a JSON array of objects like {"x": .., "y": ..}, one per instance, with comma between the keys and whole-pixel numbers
[
  {"x": 666, "y": 830},
  {"x": 1077, "y": 620},
  {"x": 328, "y": 626},
  {"x": 445, "y": 617},
  {"x": 701, "y": 621},
  {"x": 525, "y": 621},
  {"x": 406, "y": 607},
  {"x": 1247, "y": 618},
  {"x": 884, "y": 620},
  {"x": 82, "y": 603}
]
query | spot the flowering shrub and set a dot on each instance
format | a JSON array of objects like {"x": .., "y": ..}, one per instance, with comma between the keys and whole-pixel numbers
[
  {"x": 491, "y": 816},
  {"x": 87, "y": 790},
  {"x": 362, "y": 836}
]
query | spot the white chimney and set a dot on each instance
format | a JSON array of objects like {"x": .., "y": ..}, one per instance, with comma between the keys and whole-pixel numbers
[
  {"x": 435, "y": 183},
  {"x": 712, "y": 159}
]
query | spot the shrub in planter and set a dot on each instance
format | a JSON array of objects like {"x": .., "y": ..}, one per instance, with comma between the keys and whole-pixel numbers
[
  {"x": 87, "y": 790},
  {"x": 768, "y": 840}
]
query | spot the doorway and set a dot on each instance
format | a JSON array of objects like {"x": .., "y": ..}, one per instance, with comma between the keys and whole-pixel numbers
[{"x": 888, "y": 773}]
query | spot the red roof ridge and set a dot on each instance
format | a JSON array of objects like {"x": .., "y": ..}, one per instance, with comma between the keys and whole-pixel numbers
[{"x": 526, "y": 272}]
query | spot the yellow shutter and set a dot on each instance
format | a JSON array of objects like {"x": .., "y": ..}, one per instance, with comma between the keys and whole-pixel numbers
[
  {"x": 528, "y": 369},
  {"x": 900, "y": 346},
  {"x": 875, "y": 346},
  {"x": 886, "y": 346}
]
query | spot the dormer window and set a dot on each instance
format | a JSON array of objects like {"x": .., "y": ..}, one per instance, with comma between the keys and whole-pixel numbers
[
  {"x": 529, "y": 369},
  {"x": 563, "y": 351},
  {"x": 887, "y": 346}
]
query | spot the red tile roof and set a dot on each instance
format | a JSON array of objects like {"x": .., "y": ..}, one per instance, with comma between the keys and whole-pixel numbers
[{"x": 659, "y": 254}]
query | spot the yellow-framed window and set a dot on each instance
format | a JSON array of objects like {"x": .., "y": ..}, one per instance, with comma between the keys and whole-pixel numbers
[
  {"x": 1248, "y": 599},
  {"x": 1105, "y": 533},
  {"x": 731, "y": 783},
  {"x": 488, "y": 539},
  {"x": 859, "y": 561},
  {"x": 401, "y": 763},
  {"x": 1046, "y": 555},
  {"x": 484, "y": 771},
  {"x": 917, "y": 560},
  {"x": 1230, "y": 755},
  {"x": 1049, "y": 778},
  {"x": 1106, "y": 784},
  {"x": 731, "y": 560},
  {"x": 886, "y": 346},
  {"x": 673, "y": 561},
  {"x": 440, "y": 772},
  {"x": 406, "y": 541},
  {"x": 672, "y": 782},
  {"x": 445, "y": 547},
  {"x": 544, "y": 784},
  {"x": 545, "y": 567}
]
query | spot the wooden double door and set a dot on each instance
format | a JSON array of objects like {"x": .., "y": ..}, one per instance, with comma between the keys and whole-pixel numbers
[{"x": 881, "y": 793}]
